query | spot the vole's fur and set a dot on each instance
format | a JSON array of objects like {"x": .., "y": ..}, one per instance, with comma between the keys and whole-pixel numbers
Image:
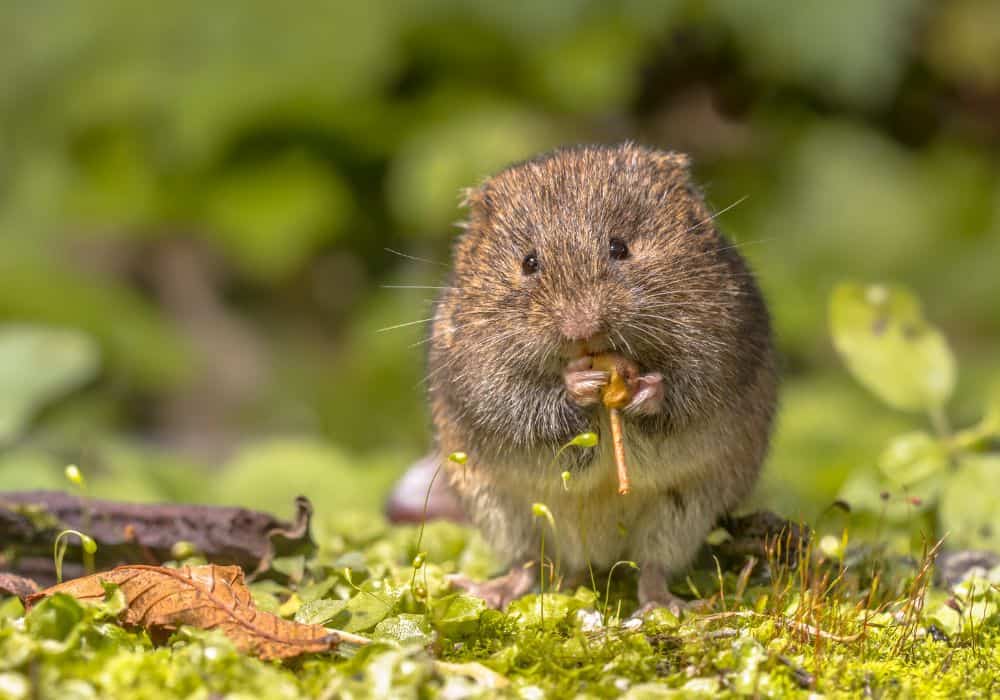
[{"x": 682, "y": 304}]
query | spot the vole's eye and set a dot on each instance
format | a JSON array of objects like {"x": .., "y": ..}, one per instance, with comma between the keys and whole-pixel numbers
[
  {"x": 530, "y": 265},
  {"x": 618, "y": 249}
]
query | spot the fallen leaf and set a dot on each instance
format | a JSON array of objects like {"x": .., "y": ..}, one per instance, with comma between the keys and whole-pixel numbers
[
  {"x": 10, "y": 584},
  {"x": 208, "y": 597}
]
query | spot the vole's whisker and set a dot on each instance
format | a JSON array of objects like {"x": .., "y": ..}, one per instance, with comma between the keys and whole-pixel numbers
[
  {"x": 675, "y": 293},
  {"x": 718, "y": 213},
  {"x": 667, "y": 319},
  {"x": 404, "y": 325},
  {"x": 411, "y": 286},
  {"x": 625, "y": 342},
  {"x": 437, "y": 333},
  {"x": 735, "y": 245},
  {"x": 414, "y": 257}
]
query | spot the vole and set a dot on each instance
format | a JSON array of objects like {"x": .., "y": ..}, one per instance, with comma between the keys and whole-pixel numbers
[{"x": 575, "y": 253}]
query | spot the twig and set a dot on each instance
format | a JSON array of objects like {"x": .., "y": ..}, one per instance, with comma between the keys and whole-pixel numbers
[{"x": 618, "y": 441}]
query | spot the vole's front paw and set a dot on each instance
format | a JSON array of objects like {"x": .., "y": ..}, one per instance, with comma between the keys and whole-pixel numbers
[
  {"x": 583, "y": 384},
  {"x": 647, "y": 394}
]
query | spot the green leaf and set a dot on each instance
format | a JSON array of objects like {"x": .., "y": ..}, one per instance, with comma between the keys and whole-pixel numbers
[
  {"x": 293, "y": 567},
  {"x": 980, "y": 436},
  {"x": 37, "y": 365},
  {"x": 323, "y": 612},
  {"x": 556, "y": 606},
  {"x": 889, "y": 347},
  {"x": 457, "y": 615},
  {"x": 912, "y": 458},
  {"x": 405, "y": 629},
  {"x": 947, "y": 619},
  {"x": 370, "y": 605},
  {"x": 970, "y": 506},
  {"x": 317, "y": 590},
  {"x": 11, "y": 608},
  {"x": 55, "y": 618}
]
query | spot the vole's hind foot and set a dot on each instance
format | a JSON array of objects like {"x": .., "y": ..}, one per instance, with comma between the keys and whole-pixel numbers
[
  {"x": 653, "y": 593},
  {"x": 647, "y": 394},
  {"x": 499, "y": 591},
  {"x": 583, "y": 384},
  {"x": 671, "y": 602}
]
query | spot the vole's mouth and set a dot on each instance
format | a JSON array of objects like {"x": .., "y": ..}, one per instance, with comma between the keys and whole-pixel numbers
[{"x": 596, "y": 345}]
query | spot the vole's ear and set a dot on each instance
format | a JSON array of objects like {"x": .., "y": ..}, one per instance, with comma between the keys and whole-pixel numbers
[
  {"x": 672, "y": 160},
  {"x": 478, "y": 200},
  {"x": 470, "y": 196}
]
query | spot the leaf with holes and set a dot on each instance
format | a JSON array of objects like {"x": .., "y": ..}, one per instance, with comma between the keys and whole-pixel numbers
[
  {"x": 209, "y": 597},
  {"x": 888, "y": 345}
]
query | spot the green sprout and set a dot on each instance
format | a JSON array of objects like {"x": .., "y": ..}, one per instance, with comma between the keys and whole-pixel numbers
[
  {"x": 588, "y": 439},
  {"x": 183, "y": 549},
  {"x": 607, "y": 587},
  {"x": 75, "y": 476},
  {"x": 420, "y": 592},
  {"x": 59, "y": 551},
  {"x": 540, "y": 510}
]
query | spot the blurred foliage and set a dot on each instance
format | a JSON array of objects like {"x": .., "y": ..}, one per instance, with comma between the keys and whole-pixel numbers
[
  {"x": 208, "y": 191},
  {"x": 36, "y": 365},
  {"x": 938, "y": 480}
]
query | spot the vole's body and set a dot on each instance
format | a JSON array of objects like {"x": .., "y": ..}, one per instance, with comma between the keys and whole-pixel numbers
[{"x": 510, "y": 381}]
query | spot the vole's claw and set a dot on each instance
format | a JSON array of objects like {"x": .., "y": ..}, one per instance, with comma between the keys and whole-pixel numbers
[
  {"x": 583, "y": 384},
  {"x": 647, "y": 394}
]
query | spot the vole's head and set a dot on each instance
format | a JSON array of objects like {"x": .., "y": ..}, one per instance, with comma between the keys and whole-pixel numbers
[{"x": 602, "y": 248}]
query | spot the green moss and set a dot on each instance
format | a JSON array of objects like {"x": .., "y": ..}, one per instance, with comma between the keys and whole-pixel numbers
[{"x": 812, "y": 629}]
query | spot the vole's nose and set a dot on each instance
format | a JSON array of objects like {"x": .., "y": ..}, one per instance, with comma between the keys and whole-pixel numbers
[
  {"x": 581, "y": 319},
  {"x": 580, "y": 327}
]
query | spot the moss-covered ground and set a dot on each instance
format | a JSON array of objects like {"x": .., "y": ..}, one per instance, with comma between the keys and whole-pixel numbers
[{"x": 859, "y": 625}]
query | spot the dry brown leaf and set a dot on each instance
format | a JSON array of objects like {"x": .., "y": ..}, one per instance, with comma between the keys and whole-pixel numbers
[
  {"x": 16, "y": 585},
  {"x": 208, "y": 597}
]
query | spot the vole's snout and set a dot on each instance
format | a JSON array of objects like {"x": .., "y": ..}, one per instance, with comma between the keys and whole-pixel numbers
[
  {"x": 580, "y": 328},
  {"x": 582, "y": 325}
]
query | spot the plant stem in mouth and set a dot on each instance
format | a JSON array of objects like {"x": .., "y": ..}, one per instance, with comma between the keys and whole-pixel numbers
[
  {"x": 615, "y": 397},
  {"x": 618, "y": 442}
]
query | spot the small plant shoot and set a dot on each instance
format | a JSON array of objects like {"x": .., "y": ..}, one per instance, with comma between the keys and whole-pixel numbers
[{"x": 87, "y": 544}]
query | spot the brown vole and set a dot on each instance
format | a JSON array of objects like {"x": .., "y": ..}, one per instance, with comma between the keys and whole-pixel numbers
[{"x": 578, "y": 252}]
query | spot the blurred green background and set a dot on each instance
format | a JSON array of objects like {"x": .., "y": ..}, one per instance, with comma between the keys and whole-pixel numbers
[{"x": 196, "y": 202}]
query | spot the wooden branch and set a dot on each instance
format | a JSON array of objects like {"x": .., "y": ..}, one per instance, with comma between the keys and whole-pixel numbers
[{"x": 141, "y": 533}]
